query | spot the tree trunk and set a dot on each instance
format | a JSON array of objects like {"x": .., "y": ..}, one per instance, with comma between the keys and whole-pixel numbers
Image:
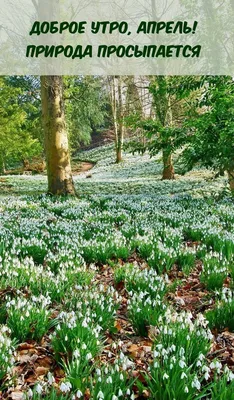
[
  {"x": 120, "y": 120},
  {"x": 58, "y": 163},
  {"x": 117, "y": 105},
  {"x": 3, "y": 167},
  {"x": 168, "y": 169},
  {"x": 231, "y": 180}
]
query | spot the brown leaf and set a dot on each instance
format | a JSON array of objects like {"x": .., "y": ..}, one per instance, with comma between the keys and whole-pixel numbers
[
  {"x": 118, "y": 325},
  {"x": 25, "y": 346},
  {"x": 133, "y": 350},
  {"x": 41, "y": 371}
]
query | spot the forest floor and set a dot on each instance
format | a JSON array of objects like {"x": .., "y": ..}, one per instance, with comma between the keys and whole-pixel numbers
[{"x": 123, "y": 292}]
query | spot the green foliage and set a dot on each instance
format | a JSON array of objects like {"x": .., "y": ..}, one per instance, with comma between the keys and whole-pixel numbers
[
  {"x": 6, "y": 351},
  {"x": 144, "y": 311},
  {"x": 193, "y": 337},
  {"x": 214, "y": 273},
  {"x": 86, "y": 108},
  {"x": 28, "y": 319},
  {"x": 79, "y": 369},
  {"x": 113, "y": 382},
  {"x": 72, "y": 334},
  {"x": 171, "y": 376},
  {"x": 223, "y": 389},
  {"x": 222, "y": 316},
  {"x": 211, "y": 131},
  {"x": 48, "y": 394},
  {"x": 16, "y": 140}
]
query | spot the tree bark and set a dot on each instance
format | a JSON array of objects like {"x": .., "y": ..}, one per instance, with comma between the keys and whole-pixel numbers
[
  {"x": 3, "y": 167},
  {"x": 168, "y": 168},
  {"x": 117, "y": 105},
  {"x": 58, "y": 163}
]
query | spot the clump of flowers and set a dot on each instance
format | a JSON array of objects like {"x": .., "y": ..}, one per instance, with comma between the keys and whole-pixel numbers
[
  {"x": 113, "y": 382},
  {"x": 98, "y": 304},
  {"x": 28, "y": 319},
  {"x": 222, "y": 316},
  {"x": 171, "y": 376},
  {"x": 6, "y": 351},
  {"x": 214, "y": 272},
  {"x": 75, "y": 333},
  {"x": 144, "y": 311},
  {"x": 192, "y": 335}
]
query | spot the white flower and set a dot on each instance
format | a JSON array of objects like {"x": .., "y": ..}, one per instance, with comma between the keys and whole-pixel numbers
[
  {"x": 65, "y": 387},
  {"x": 50, "y": 378},
  {"x": 186, "y": 389},
  {"x": 39, "y": 388},
  {"x": 100, "y": 395},
  {"x": 206, "y": 376},
  {"x": 182, "y": 364},
  {"x": 109, "y": 379},
  {"x": 88, "y": 356},
  {"x": 79, "y": 394},
  {"x": 76, "y": 353},
  {"x": 30, "y": 393},
  {"x": 165, "y": 376},
  {"x": 196, "y": 384}
]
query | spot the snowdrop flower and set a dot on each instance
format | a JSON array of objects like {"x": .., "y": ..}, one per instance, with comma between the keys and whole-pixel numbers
[
  {"x": 196, "y": 384},
  {"x": 89, "y": 356},
  {"x": 79, "y": 394},
  {"x": 30, "y": 393},
  {"x": 50, "y": 378},
  {"x": 216, "y": 365},
  {"x": 39, "y": 388},
  {"x": 76, "y": 353},
  {"x": 182, "y": 364},
  {"x": 100, "y": 395},
  {"x": 65, "y": 387},
  {"x": 165, "y": 376}
]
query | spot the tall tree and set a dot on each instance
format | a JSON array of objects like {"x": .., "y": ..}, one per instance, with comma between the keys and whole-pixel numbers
[
  {"x": 163, "y": 112},
  {"x": 53, "y": 116},
  {"x": 118, "y": 103},
  {"x": 56, "y": 138}
]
